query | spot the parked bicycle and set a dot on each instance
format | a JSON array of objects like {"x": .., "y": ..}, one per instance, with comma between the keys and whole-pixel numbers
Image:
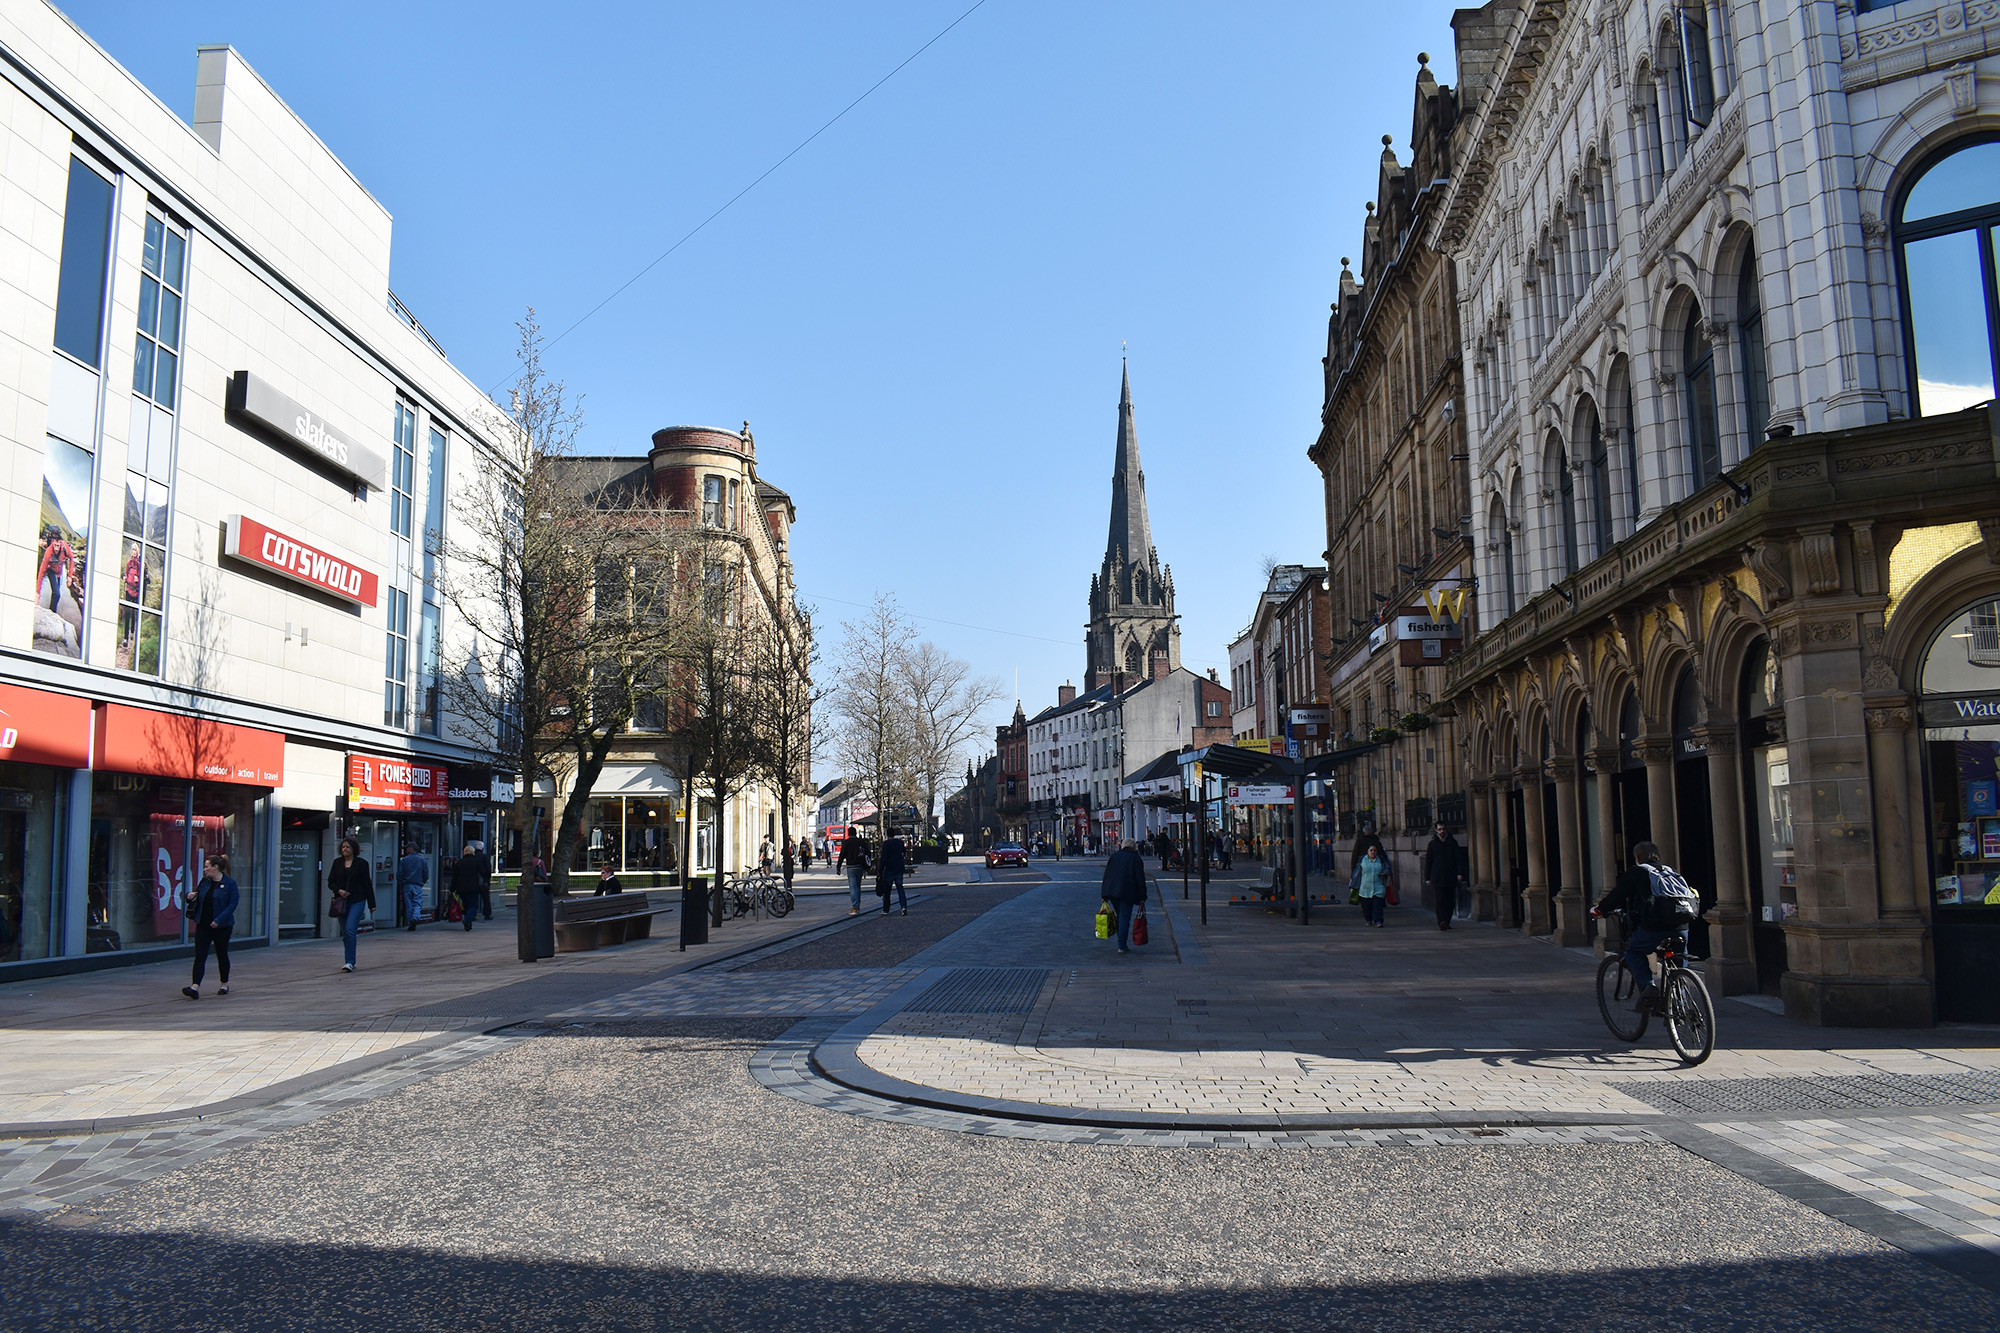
[
  {"x": 1682, "y": 1000},
  {"x": 756, "y": 891}
]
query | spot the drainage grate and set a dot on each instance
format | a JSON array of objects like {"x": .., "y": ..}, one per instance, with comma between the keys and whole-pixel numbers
[
  {"x": 982, "y": 990},
  {"x": 1845, "y": 1092}
]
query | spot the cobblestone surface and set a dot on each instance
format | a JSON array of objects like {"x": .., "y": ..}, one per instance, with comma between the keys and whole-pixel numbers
[
  {"x": 849, "y": 991},
  {"x": 634, "y": 1175}
]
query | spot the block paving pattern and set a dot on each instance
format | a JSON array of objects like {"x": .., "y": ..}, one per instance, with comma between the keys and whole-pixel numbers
[
  {"x": 1941, "y": 1168},
  {"x": 259, "y": 1060},
  {"x": 752, "y": 994},
  {"x": 39, "y": 1175}
]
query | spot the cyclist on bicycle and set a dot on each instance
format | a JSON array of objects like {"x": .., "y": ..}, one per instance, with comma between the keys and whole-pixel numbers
[{"x": 1655, "y": 898}]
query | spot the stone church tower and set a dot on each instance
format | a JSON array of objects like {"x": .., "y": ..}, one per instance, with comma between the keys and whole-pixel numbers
[{"x": 1133, "y": 629}]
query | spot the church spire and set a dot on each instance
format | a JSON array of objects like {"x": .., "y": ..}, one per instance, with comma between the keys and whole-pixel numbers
[{"x": 1131, "y": 536}]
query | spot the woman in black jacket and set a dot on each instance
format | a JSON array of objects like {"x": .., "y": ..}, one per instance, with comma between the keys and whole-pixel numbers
[
  {"x": 353, "y": 892},
  {"x": 467, "y": 882}
]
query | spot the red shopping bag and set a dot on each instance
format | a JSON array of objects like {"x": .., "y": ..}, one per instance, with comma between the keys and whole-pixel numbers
[
  {"x": 455, "y": 912},
  {"x": 1139, "y": 929}
]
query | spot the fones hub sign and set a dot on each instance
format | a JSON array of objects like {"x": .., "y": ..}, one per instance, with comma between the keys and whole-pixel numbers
[{"x": 257, "y": 544}]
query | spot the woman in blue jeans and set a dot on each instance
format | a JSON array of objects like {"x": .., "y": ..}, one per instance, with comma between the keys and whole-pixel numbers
[
  {"x": 353, "y": 894},
  {"x": 1371, "y": 880}
]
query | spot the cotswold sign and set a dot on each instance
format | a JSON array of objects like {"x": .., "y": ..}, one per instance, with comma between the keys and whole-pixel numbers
[
  {"x": 253, "y": 543},
  {"x": 257, "y": 401},
  {"x": 1978, "y": 711}
]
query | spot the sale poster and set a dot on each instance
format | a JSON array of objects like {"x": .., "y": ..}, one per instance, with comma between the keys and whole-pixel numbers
[{"x": 171, "y": 879}]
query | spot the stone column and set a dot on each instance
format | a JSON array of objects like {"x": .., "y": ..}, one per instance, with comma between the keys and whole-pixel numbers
[
  {"x": 1888, "y": 763},
  {"x": 1535, "y": 906},
  {"x": 1659, "y": 757},
  {"x": 1570, "y": 931},
  {"x": 1503, "y": 843},
  {"x": 1483, "y": 877},
  {"x": 1607, "y": 760},
  {"x": 1732, "y": 960}
]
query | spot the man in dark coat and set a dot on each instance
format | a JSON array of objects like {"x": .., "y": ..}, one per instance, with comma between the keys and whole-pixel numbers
[
  {"x": 1125, "y": 889},
  {"x": 889, "y": 879},
  {"x": 1444, "y": 874}
]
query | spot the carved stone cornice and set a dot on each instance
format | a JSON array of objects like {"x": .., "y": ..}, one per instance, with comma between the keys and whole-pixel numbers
[
  {"x": 1822, "y": 561},
  {"x": 1766, "y": 560},
  {"x": 1894, "y": 718},
  {"x": 1717, "y": 738},
  {"x": 1657, "y": 752},
  {"x": 1561, "y": 770}
]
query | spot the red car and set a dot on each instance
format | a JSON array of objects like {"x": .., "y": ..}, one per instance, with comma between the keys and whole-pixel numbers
[{"x": 1006, "y": 854}]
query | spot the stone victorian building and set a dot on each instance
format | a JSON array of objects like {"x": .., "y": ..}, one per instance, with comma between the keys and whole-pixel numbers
[
  {"x": 1132, "y": 623},
  {"x": 637, "y": 822},
  {"x": 1397, "y": 495},
  {"x": 1726, "y": 292}
]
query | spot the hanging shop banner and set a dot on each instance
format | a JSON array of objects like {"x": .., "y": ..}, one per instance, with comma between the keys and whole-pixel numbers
[
  {"x": 1272, "y": 795},
  {"x": 175, "y": 745},
  {"x": 1427, "y": 627},
  {"x": 37, "y": 727},
  {"x": 376, "y": 782},
  {"x": 1308, "y": 721},
  {"x": 256, "y": 544}
]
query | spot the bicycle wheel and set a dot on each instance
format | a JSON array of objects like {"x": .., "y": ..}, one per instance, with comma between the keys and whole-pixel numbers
[
  {"x": 781, "y": 901},
  {"x": 1690, "y": 1016},
  {"x": 1616, "y": 989}
]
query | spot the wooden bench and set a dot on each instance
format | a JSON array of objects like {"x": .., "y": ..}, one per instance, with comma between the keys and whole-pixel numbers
[{"x": 593, "y": 923}]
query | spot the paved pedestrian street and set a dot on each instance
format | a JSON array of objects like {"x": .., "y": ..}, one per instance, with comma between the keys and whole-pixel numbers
[{"x": 980, "y": 1116}]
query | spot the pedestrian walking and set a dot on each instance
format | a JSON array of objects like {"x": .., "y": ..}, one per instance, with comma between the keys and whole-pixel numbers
[
  {"x": 485, "y": 883},
  {"x": 607, "y": 882},
  {"x": 212, "y": 908},
  {"x": 789, "y": 863},
  {"x": 1444, "y": 874},
  {"x": 353, "y": 892},
  {"x": 854, "y": 860},
  {"x": 413, "y": 876},
  {"x": 805, "y": 855},
  {"x": 1125, "y": 889},
  {"x": 764, "y": 855},
  {"x": 1372, "y": 879},
  {"x": 466, "y": 884},
  {"x": 890, "y": 877}
]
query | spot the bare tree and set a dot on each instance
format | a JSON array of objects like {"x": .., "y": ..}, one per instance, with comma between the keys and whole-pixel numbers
[
  {"x": 570, "y": 591},
  {"x": 946, "y": 705},
  {"x": 876, "y": 734},
  {"x": 784, "y": 658}
]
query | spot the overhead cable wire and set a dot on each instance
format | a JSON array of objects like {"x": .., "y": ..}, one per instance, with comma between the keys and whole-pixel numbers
[{"x": 731, "y": 202}]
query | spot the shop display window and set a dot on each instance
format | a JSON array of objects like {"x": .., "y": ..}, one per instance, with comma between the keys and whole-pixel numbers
[
  {"x": 1962, "y": 761},
  {"x": 30, "y": 924},
  {"x": 145, "y": 833}
]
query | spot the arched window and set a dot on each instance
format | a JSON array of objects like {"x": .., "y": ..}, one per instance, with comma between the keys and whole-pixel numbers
[
  {"x": 1503, "y": 550},
  {"x": 1133, "y": 658},
  {"x": 1697, "y": 73},
  {"x": 1565, "y": 502},
  {"x": 1704, "y": 440},
  {"x": 1628, "y": 435},
  {"x": 1945, "y": 245},
  {"x": 1591, "y": 430},
  {"x": 1750, "y": 320}
]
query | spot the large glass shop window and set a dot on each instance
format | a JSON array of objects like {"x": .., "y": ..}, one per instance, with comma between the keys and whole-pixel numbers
[
  {"x": 1962, "y": 755},
  {"x": 143, "y": 840},
  {"x": 28, "y": 859},
  {"x": 1946, "y": 234}
]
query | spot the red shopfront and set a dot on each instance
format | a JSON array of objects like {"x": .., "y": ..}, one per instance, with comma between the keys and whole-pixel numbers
[
  {"x": 396, "y": 809},
  {"x": 44, "y": 740},
  {"x": 166, "y": 791}
]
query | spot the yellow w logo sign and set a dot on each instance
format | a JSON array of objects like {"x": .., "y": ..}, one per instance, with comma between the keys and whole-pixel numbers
[{"x": 1445, "y": 603}]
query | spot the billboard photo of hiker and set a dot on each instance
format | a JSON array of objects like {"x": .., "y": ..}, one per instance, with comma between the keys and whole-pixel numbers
[{"x": 60, "y": 553}]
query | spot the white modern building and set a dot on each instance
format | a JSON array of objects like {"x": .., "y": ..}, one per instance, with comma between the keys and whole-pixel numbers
[{"x": 221, "y": 629}]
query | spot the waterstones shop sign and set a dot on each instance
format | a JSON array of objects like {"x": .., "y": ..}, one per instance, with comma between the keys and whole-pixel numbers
[{"x": 1978, "y": 711}]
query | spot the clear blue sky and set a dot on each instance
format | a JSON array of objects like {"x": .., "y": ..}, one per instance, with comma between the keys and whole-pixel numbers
[{"x": 920, "y": 314}]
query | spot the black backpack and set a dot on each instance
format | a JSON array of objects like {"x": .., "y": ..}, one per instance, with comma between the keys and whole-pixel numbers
[{"x": 1674, "y": 903}]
